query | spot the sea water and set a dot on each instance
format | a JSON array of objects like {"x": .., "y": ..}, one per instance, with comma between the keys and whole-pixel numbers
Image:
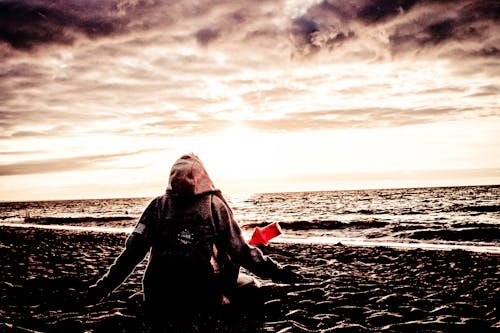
[{"x": 445, "y": 217}]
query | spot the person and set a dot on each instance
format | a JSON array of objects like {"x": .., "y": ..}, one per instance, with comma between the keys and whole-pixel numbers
[{"x": 196, "y": 251}]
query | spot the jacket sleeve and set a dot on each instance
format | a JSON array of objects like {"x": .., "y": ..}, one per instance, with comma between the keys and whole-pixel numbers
[
  {"x": 137, "y": 246},
  {"x": 231, "y": 240}
]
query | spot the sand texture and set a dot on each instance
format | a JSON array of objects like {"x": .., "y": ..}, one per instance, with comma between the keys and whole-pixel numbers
[{"x": 345, "y": 289}]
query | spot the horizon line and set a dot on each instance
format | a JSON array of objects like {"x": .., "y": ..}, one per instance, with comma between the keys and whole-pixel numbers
[{"x": 257, "y": 193}]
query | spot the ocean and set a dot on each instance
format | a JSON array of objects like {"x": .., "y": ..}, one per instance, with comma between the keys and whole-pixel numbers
[{"x": 444, "y": 218}]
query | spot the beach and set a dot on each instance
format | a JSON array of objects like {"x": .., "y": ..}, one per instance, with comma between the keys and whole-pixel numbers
[{"x": 344, "y": 288}]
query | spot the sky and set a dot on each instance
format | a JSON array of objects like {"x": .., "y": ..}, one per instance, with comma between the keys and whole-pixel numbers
[{"x": 98, "y": 98}]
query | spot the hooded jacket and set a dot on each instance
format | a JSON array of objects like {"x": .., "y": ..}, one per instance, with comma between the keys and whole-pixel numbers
[{"x": 196, "y": 247}]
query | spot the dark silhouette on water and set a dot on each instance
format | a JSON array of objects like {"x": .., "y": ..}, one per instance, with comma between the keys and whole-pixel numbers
[{"x": 196, "y": 249}]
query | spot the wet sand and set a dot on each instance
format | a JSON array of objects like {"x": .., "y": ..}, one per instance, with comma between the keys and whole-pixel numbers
[{"x": 345, "y": 289}]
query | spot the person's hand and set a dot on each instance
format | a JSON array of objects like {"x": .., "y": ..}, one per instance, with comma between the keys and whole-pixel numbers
[
  {"x": 286, "y": 274},
  {"x": 92, "y": 295}
]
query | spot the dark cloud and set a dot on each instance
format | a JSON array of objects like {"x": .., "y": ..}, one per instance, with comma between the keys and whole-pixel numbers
[
  {"x": 403, "y": 25},
  {"x": 439, "y": 31},
  {"x": 408, "y": 24},
  {"x": 244, "y": 23},
  {"x": 26, "y": 24},
  {"x": 321, "y": 28},
  {"x": 467, "y": 24},
  {"x": 487, "y": 51},
  {"x": 206, "y": 36},
  {"x": 377, "y": 11},
  {"x": 380, "y": 10},
  {"x": 63, "y": 164},
  {"x": 302, "y": 32}
]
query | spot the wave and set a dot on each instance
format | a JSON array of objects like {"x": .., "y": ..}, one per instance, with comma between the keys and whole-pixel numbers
[
  {"x": 482, "y": 234},
  {"x": 482, "y": 209},
  {"x": 321, "y": 224},
  {"x": 395, "y": 211},
  {"x": 81, "y": 219},
  {"x": 373, "y": 229}
]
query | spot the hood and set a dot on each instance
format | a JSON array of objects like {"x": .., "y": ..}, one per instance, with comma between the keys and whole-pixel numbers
[{"x": 188, "y": 177}]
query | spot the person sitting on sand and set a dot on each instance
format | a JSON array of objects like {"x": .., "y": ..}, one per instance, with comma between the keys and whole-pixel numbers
[{"x": 196, "y": 250}]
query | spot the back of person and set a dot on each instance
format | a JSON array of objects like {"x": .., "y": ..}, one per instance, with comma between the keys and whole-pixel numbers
[{"x": 182, "y": 269}]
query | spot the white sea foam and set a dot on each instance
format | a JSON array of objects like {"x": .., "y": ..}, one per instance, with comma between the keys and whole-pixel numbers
[{"x": 484, "y": 248}]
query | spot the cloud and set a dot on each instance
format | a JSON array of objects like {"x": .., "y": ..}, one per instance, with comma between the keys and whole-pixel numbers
[
  {"x": 162, "y": 68},
  {"x": 30, "y": 24},
  {"x": 21, "y": 152},
  {"x": 487, "y": 90},
  {"x": 206, "y": 35},
  {"x": 203, "y": 123},
  {"x": 322, "y": 27},
  {"x": 47, "y": 123},
  {"x": 356, "y": 118},
  {"x": 399, "y": 26},
  {"x": 358, "y": 27},
  {"x": 27, "y": 24},
  {"x": 63, "y": 164},
  {"x": 410, "y": 175}
]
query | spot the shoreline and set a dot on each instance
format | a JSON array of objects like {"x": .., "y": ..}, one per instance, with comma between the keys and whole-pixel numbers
[
  {"x": 346, "y": 288},
  {"x": 289, "y": 239}
]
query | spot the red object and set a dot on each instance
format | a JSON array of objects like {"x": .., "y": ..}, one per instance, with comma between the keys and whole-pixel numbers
[{"x": 261, "y": 236}]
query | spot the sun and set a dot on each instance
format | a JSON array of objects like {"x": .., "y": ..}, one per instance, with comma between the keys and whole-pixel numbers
[{"x": 236, "y": 152}]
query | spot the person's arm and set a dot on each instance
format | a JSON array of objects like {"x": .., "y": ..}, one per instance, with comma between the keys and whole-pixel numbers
[
  {"x": 231, "y": 240},
  {"x": 137, "y": 246}
]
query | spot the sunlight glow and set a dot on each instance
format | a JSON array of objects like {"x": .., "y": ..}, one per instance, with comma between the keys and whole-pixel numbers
[{"x": 237, "y": 153}]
